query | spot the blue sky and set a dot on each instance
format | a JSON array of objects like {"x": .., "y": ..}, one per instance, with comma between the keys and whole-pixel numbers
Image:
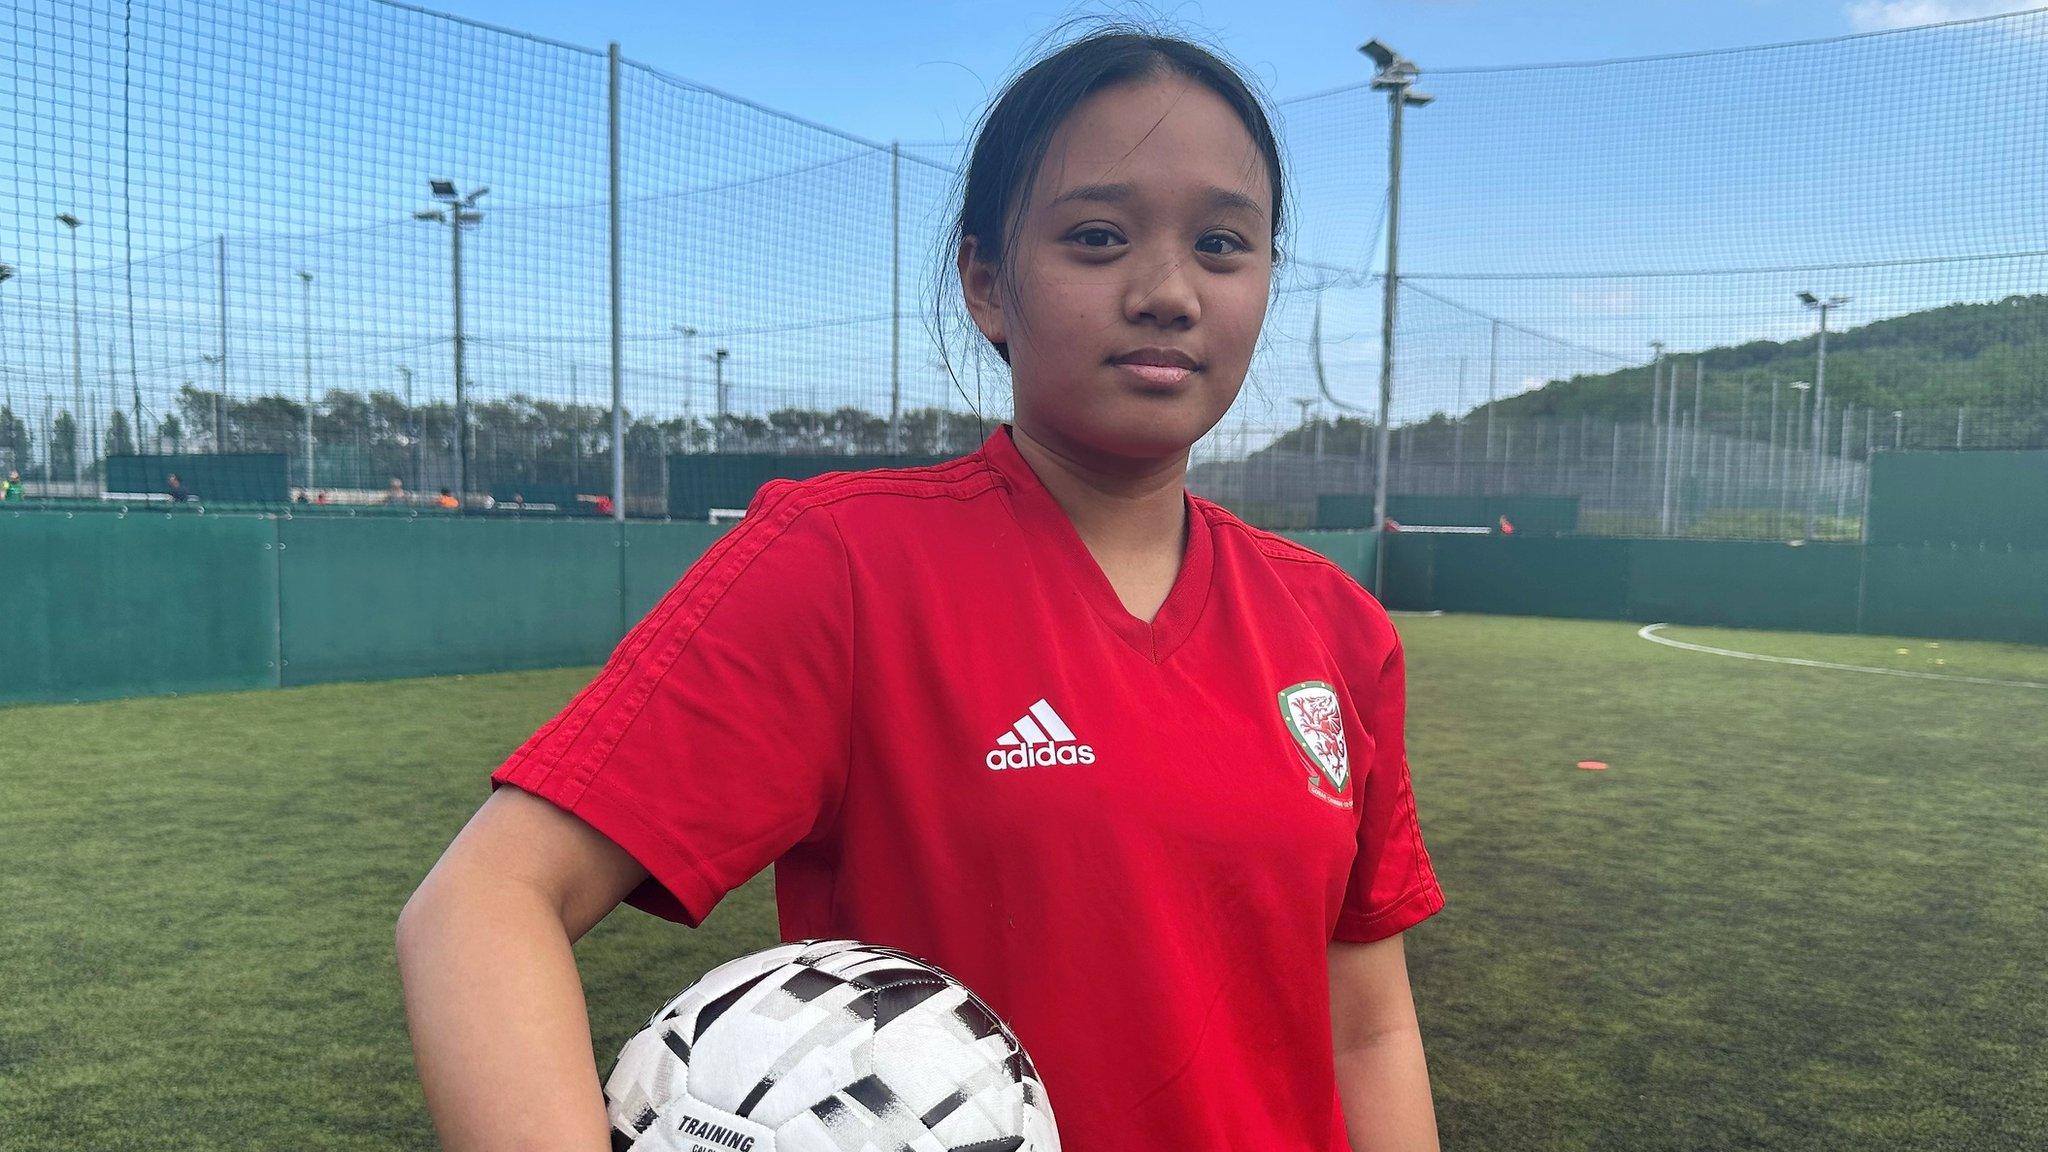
[
  {"x": 920, "y": 71},
  {"x": 1590, "y": 209}
]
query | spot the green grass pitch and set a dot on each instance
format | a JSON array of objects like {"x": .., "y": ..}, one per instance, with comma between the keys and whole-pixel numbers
[{"x": 1803, "y": 908}]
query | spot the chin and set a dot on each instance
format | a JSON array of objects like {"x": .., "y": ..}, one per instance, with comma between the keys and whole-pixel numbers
[{"x": 1146, "y": 427}]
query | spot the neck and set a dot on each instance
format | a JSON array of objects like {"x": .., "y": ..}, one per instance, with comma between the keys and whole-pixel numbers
[{"x": 1117, "y": 507}]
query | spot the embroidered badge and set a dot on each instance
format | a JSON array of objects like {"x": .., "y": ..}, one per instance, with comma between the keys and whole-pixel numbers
[{"x": 1313, "y": 716}]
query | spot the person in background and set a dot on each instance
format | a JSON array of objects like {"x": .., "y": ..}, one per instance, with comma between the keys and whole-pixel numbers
[
  {"x": 176, "y": 488},
  {"x": 604, "y": 505},
  {"x": 396, "y": 493},
  {"x": 10, "y": 488},
  {"x": 446, "y": 500},
  {"x": 320, "y": 499}
]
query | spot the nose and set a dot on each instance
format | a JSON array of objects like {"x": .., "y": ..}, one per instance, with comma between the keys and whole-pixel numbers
[{"x": 1164, "y": 294}]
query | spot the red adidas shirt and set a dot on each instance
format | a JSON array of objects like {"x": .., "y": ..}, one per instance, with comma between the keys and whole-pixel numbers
[{"x": 917, "y": 695}]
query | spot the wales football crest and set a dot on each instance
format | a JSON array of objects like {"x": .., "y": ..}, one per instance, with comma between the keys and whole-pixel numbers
[{"x": 1317, "y": 723}]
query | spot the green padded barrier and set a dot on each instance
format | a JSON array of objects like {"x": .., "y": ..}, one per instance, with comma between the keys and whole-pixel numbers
[
  {"x": 1743, "y": 584},
  {"x": 1582, "y": 577},
  {"x": 1967, "y": 593},
  {"x": 657, "y": 555},
  {"x": 1969, "y": 498},
  {"x": 699, "y": 482},
  {"x": 110, "y": 605},
  {"x": 374, "y": 598},
  {"x": 1411, "y": 572},
  {"x": 1352, "y": 551},
  {"x": 214, "y": 478},
  {"x": 148, "y": 603},
  {"x": 1531, "y": 515}
]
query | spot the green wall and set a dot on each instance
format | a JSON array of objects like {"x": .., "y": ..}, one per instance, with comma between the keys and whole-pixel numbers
[
  {"x": 1989, "y": 499},
  {"x": 1938, "y": 591},
  {"x": 99, "y": 604},
  {"x": 102, "y": 604},
  {"x": 1531, "y": 515},
  {"x": 377, "y": 598},
  {"x": 701, "y": 481}
]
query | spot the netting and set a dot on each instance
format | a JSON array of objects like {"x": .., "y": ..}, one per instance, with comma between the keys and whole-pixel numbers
[
  {"x": 1600, "y": 276},
  {"x": 260, "y": 267}
]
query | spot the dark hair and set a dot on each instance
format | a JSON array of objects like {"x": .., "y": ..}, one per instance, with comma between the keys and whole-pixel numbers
[{"x": 1013, "y": 134}]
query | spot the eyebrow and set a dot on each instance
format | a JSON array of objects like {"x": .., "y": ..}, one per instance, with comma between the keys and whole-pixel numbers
[{"x": 1119, "y": 193}]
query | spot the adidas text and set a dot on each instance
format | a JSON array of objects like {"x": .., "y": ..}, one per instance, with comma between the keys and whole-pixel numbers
[{"x": 1040, "y": 755}]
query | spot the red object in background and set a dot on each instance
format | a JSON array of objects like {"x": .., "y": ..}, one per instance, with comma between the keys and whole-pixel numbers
[
  {"x": 1507, "y": 526},
  {"x": 604, "y": 505},
  {"x": 320, "y": 499},
  {"x": 1393, "y": 525}
]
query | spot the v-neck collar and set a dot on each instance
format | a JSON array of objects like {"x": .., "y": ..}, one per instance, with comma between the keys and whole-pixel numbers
[{"x": 1042, "y": 516}]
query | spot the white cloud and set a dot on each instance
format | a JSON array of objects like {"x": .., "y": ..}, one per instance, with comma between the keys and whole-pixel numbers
[{"x": 1878, "y": 15}]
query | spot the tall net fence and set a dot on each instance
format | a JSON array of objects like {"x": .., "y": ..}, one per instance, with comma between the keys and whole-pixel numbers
[
  {"x": 235, "y": 230},
  {"x": 1601, "y": 269}
]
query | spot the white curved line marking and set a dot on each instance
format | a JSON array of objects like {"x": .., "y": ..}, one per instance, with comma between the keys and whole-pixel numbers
[{"x": 1649, "y": 632}]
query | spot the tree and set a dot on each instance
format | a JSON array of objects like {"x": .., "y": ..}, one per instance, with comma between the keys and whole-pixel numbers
[
  {"x": 170, "y": 432},
  {"x": 118, "y": 441},
  {"x": 14, "y": 441},
  {"x": 63, "y": 445}
]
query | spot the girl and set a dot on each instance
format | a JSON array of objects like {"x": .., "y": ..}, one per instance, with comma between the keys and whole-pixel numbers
[{"x": 1129, "y": 768}]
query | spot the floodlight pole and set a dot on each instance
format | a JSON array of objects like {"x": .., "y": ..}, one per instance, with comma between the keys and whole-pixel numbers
[
  {"x": 412, "y": 420},
  {"x": 1820, "y": 392},
  {"x": 6, "y": 274},
  {"x": 77, "y": 358},
  {"x": 718, "y": 390},
  {"x": 618, "y": 332},
  {"x": 895, "y": 298},
  {"x": 306, "y": 328},
  {"x": 1396, "y": 76},
  {"x": 461, "y": 406},
  {"x": 1657, "y": 418},
  {"x": 220, "y": 251},
  {"x": 460, "y": 212}
]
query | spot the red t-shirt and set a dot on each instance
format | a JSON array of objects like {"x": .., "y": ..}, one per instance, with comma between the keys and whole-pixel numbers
[{"x": 916, "y": 694}]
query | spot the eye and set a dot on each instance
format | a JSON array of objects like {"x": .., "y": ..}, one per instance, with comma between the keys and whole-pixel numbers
[
  {"x": 1237, "y": 245},
  {"x": 1094, "y": 231}
]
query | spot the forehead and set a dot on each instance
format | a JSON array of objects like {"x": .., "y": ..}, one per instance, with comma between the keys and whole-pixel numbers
[{"x": 1169, "y": 137}]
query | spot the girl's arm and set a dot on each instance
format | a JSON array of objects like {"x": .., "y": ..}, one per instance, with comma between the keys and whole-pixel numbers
[
  {"x": 499, "y": 1029},
  {"x": 1381, "y": 1075}
]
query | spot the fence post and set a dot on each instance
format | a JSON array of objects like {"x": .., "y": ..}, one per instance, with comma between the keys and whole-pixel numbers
[
  {"x": 618, "y": 364},
  {"x": 895, "y": 296}
]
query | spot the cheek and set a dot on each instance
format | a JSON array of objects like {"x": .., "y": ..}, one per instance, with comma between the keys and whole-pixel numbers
[
  {"x": 1066, "y": 316},
  {"x": 1236, "y": 313}
]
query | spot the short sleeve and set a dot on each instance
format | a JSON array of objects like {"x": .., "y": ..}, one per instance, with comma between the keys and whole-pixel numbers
[
  {"x": 1393, "y": 887},
  {"x": 717, "y": 735}
]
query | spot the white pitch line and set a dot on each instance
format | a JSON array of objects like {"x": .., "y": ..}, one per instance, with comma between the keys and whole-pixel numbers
[
  {"x": 1649, "y": 632},
  {"x": 1407, "y": 612}
]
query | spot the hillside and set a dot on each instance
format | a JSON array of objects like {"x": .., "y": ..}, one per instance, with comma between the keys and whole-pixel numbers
[{"x": 1981, "y": 355}]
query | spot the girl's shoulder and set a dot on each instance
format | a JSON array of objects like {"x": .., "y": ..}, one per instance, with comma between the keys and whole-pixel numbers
[
  {"x": 1317, "y": 581},
  {"x": 960, "y": 478}
]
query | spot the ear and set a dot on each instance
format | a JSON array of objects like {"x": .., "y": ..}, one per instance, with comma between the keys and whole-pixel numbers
[{"x": 982, "y": 289}]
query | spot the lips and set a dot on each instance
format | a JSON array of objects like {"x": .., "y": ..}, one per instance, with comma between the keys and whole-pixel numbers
[
  {"x": 1156, "y": 373},
  {"x": 1157, "y": 357},
  {"x": 1161, "y": 366}
]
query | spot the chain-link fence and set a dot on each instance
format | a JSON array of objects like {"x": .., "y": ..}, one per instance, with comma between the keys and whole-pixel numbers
[{"x": 239, "y": 229}]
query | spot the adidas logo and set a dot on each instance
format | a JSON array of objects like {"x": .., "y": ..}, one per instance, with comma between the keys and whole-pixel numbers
[{"x": 1038, "y": 738}]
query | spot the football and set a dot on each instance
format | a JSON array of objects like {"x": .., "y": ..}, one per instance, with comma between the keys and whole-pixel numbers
[{"x": 825, "y": 1046}]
